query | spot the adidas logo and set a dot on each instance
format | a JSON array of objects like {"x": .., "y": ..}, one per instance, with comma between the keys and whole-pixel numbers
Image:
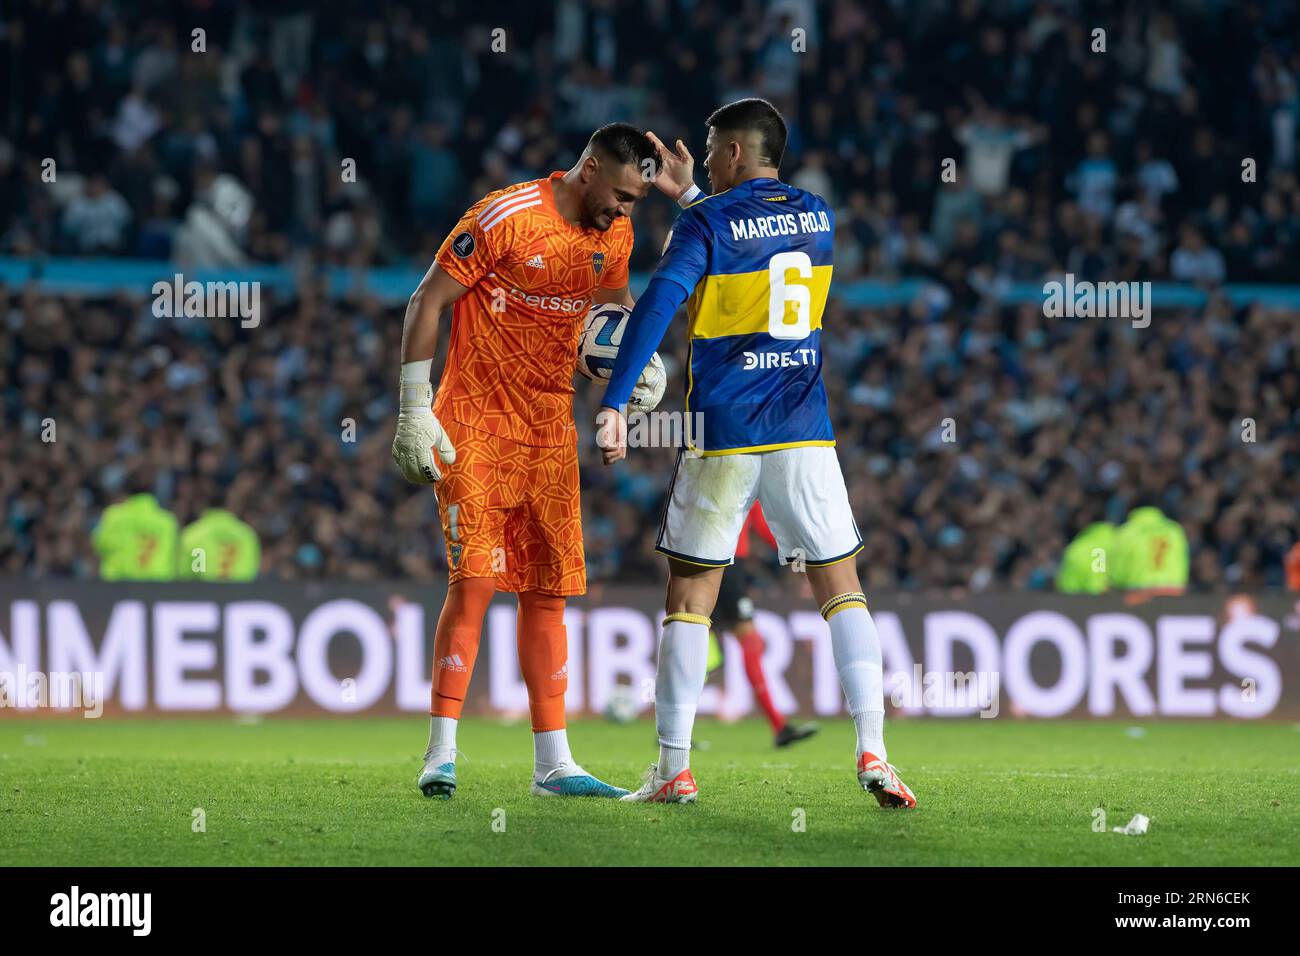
[
  {"x": 452, "y": 662},
  {"x": 562, "y": 673},
  {"x": 536, "y": 262}
]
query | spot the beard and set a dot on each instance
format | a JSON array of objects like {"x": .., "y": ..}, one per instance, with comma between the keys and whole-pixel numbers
[{"x": 598, "y": 218}]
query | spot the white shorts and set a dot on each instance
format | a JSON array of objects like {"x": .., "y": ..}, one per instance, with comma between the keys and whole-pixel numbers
[{"x": 803, "y": 497}]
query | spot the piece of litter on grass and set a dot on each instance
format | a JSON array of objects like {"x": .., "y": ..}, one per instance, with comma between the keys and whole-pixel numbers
[
  {"x": 1136, "y": 732},
  {"x": 1135, "y": 827}
]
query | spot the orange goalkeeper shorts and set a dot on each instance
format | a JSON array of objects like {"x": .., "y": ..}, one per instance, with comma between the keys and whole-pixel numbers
[{"x": 512, "y": 512}]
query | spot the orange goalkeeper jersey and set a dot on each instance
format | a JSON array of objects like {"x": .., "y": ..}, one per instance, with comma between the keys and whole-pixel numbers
[{"x": 531, "y": 276}]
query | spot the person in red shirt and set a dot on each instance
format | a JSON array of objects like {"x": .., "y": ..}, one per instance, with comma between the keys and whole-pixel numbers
[
  {"x": 735, "y": 613},
  {"x": 1292, "y": 565}
]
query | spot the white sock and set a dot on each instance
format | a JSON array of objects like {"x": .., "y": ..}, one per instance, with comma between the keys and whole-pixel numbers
[
  {"x": 870, "y": 725},
  {"x": 683, "y": 657},
  {"x": 551, "y": 752},
  {"x": 442, "y": 739},
  {"x": 856, "y": 646}
]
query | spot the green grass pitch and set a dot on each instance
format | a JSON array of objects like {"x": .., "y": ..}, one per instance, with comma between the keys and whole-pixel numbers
[{"x": 340, "y": 791}]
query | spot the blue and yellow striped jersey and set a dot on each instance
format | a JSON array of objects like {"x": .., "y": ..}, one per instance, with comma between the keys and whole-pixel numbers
[{"x": 758, "y": 259}]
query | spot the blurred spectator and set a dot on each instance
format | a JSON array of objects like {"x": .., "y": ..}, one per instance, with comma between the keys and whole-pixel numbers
[
  {"x": 1057, "y": 424},
  {"x": 433, "y": 113},
  {"x": 1085, "y": 565},
  {"x": 218, "y": 547},
  {"x": 136, "y": 541},
  {"x": 991, "y": 144},
  {"x": 1193, "y": 261},
  {"x": 1150, "y": 551},
  {"x": 1120, "y": 166},
  {"x": 96, "y": 220}
]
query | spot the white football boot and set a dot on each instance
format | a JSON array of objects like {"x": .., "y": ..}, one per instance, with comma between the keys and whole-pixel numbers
[
  {"x": 878, "y": 778},
  {"x": 657, "y": 789},
  {"x": 438, "y": 778}
]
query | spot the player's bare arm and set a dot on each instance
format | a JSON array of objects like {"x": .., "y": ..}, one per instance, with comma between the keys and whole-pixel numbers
[
  {"x": 437, "y": 291},
  {"x": 621, "y": 296},
  {"x": 611, "y": 426},
  {"x": 420, "y": 442},
  {"x": 644, "y": 330},
  {"x": 611, "y": 435}
]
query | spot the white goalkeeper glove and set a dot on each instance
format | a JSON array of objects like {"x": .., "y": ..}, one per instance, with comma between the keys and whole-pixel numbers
[{"x": 420, "y": 441}]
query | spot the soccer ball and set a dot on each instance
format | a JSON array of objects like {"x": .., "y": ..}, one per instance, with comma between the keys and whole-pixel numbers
[
  {"x": 602, "y": 333},
  {"x": 621, "y": 707}
]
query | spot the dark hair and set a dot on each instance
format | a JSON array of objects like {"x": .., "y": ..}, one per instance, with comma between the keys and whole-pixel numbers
[
  {"x": 626, "y": 144},
  {"x": 757, "y": 115}
]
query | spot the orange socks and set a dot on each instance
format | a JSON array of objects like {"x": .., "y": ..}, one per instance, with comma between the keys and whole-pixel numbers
[
  {"x": 544, "y": 657},
  {"x": 455, "y": 643},
  {"x": 543, "y": 650}
]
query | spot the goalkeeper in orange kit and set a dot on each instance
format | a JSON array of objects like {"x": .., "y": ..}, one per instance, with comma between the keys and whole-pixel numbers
[{"x": 522, "y": 268}]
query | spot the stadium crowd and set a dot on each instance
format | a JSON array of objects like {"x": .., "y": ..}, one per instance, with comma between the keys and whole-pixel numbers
[{"x": 1118, "y": 165}]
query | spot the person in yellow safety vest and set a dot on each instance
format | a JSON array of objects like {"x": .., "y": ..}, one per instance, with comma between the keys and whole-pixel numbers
[
  {"x": 1085, "y": 566},
  {"x": 136, "y": 541},
  {"x": 218, "y": 547},
  {"x": 1150, "y": 552}
]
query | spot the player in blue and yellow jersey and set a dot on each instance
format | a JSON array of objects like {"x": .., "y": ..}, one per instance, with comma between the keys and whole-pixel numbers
[{"x": 753, "y": 264}]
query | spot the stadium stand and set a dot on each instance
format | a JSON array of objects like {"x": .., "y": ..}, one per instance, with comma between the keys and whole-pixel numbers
[{"x": 1124, "y": 166}]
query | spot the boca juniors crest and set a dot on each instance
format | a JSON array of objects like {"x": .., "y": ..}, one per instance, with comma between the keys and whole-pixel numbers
[{"x": 598, "y": 262}]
